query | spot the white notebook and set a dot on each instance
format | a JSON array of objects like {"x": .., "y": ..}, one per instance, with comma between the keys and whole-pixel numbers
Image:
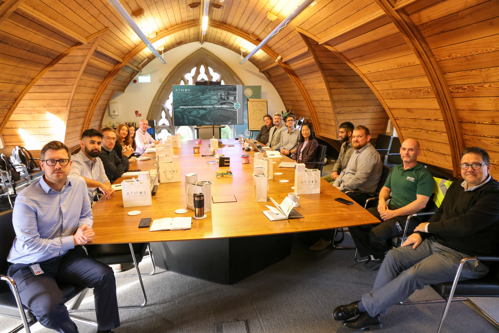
[{"x": 176, "y": 223}]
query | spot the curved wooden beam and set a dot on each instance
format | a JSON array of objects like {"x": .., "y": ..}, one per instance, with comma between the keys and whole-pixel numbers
[
  {"x": 361, "y": 74},
  {"x": 324, "y": 78},
  {"x": 34, "y": 81},
  {"x": 90, "y": 53},
  {"x": 304, "y": 94},
  {"x": 434, "y": 74},
  {"x": 8, "y": 8},
  {"x": 139, "y": 48}
]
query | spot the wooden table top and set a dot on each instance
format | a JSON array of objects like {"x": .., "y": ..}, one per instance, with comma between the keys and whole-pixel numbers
[{"x": 226, "y": 220}]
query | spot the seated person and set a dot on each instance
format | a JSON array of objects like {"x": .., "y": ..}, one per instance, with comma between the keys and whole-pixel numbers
[
  {"x": 465, "y": 225},
  {"x": 113, "y": 165},
  {"x": 143, "y": 140},
  {"x": 88, "y": 165},
  {"x": 130, "y": 140},
  {"x": 52, "y": 218},
  {"x": 289, "y": 137},
  {"x": 410, "y": 185},
  {"x": 307, "y": 147},
  {"x": 364, "y": 168},
  {"x": 362, "y": 174},
  {"x": 275, "y": 132},
  {"x": 346, "y": 150},
  {"x": 263, "y": 136},
  {"x": 120, "y": 146}
]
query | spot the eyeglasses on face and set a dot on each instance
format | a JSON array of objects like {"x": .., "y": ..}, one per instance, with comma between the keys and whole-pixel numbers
[
  {"x": 109, "y": 138},
  {"x": 474, "y": 166},
  {"x": 62, "y": 162}
]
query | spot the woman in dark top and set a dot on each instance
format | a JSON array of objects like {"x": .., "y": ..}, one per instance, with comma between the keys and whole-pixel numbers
[
  {"x": 130, "y": 139},
  {"x": 121, "y": 135},
  {"x": 307, "y": 147}
]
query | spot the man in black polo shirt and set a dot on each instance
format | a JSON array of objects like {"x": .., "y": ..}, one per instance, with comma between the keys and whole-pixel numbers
[
  {"x": 465, "y": 225},
  {"x": 410, "y": 186},
  {"x": 263, "y": 136}
]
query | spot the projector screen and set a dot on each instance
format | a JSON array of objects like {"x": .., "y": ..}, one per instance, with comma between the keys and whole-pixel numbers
[{"x": 207, "y": 105}]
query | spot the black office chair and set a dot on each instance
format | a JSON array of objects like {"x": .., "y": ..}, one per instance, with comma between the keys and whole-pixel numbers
[
  {"x": 10, "y": 301},
  {"x": 320, "y": 156},
  {"x": 111, "y": 254},
  {"x": 383, "y": 144},
  {"x": 393, "y": 155},
  {"x": 488, "y": 286}
]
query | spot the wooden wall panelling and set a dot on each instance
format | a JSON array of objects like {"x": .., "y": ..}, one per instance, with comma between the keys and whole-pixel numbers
[
  {"x": 465, "y": 41},
  {"x": 438, "y": 83},
  {"x": 362, "y": 76},
  {"x": 312, "y": 51},
  {"x": 31, "y": 84}
]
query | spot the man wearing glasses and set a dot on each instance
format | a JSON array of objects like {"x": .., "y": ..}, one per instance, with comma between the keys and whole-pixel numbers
[
  {"x": 113, "y": 165},
  {"x": 52, "y": 218},
  {"x": 289, "y": 137},
  {"x": 465, "y": 225}
]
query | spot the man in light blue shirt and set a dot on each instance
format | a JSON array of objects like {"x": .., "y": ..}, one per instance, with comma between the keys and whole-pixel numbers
[{"x": 51, "y": 218}]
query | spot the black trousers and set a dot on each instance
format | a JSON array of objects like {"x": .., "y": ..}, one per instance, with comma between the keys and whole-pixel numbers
[
  {"x": 359, "y": 198},
  {"x": 372, "y": 239},
  {"x": 43, "y": 297}
]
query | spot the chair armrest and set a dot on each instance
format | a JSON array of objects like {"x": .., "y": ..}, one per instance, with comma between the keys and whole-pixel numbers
[
  {"x": 409, "y": 218},
  {"x": 481, "y": 258},
  {"x": 13, "y": 288},
  {"x": 370, "y": 199}
]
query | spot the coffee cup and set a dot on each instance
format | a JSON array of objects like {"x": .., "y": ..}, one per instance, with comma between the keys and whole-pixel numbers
[
  {"x": 198, "y": 141},
  {"x": 295, "y": 198}
]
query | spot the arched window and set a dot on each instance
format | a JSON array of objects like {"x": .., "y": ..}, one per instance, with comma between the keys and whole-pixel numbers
[{"x": 199, "y": 66}]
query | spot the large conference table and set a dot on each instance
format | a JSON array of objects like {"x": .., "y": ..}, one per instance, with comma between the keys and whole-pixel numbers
[{"x": 236, "y": 239}]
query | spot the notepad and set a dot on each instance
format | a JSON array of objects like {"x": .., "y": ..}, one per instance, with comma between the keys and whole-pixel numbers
[
  {"x": 176, "y": 223},
  {"x": 287, "y": 165}
]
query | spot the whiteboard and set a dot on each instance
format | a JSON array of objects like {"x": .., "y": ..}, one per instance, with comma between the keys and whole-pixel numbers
[{"x": 257, "y": 108}]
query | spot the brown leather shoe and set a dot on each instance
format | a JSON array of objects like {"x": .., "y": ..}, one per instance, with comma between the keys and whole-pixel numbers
[{"x": 320, "y": 245}]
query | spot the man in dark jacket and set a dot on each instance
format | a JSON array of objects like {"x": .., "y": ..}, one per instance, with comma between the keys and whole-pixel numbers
[
  {"x": 113, "y": 165},
  {"x": 263, "y": 136},
  {"x": 466, "y": 224}
]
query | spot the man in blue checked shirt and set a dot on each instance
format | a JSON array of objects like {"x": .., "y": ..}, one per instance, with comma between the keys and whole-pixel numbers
[{"x": 52, "y": 218}]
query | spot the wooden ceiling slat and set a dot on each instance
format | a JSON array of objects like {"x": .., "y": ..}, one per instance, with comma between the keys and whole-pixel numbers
[
  {"x": 37, "y": 28},
  {"x": 27, "y": 45},
  {"x": 22, "y": 32},
  {"x": 458, "y": 8},
  {"x": 63, "y": 15},
  {"x": 112, "y": 20},
  {"x": 376, "y": 34},
  {"x": 163, "y": 14},
  {"x": 473, "y": 47},
  {"x": 149, "y": 15}
]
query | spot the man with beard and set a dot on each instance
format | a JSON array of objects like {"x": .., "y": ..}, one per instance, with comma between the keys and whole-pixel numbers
[
  {"x": 465, "y": 225},
  {"x": 364, "y": 168},
  {"x": 362, "y": 174},
  {"x": 274, "y": 141},
  {"x": 346, "y": 130},
  {"x": 88, "y": 165},
  {"x": 410, "y": 186}
]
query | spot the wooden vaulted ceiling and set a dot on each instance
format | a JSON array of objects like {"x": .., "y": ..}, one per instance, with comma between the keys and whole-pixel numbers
[{"x": 430, "y": 66}]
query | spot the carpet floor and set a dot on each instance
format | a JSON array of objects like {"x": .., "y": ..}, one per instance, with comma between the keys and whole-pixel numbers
[{"x": 297, "y": 294}]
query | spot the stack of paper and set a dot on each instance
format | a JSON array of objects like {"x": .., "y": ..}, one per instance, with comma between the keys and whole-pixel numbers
[
  {"x": 176, "y": 223},
  {"x": 273, "y": 154},
  {"x": 287, "y": 165}
]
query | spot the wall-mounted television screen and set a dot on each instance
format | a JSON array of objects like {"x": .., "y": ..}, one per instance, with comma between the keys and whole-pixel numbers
[{"x": 207, "y": 105}]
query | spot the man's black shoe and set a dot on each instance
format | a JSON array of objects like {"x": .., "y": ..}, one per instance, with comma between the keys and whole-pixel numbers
[
  {"x": 344, "y": 312},
  {"x": 364, "y": 323}
]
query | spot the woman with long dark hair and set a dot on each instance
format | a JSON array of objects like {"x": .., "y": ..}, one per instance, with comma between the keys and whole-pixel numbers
[{"x": 307, "y": 147}]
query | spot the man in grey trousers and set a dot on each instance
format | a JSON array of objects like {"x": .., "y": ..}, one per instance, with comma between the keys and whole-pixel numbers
[{"x": 466, "y": 224}]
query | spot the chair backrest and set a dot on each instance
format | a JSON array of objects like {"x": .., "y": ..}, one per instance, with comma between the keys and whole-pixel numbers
[
  {"x": 394, "y": 159},
  {"x": 395, "y": 147},
  {"x": 7, "y": 236},
  {"x": 383, "y": 142},
  {"x": 320, "y": 155},
  {"x": 384, "y": 176}
]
